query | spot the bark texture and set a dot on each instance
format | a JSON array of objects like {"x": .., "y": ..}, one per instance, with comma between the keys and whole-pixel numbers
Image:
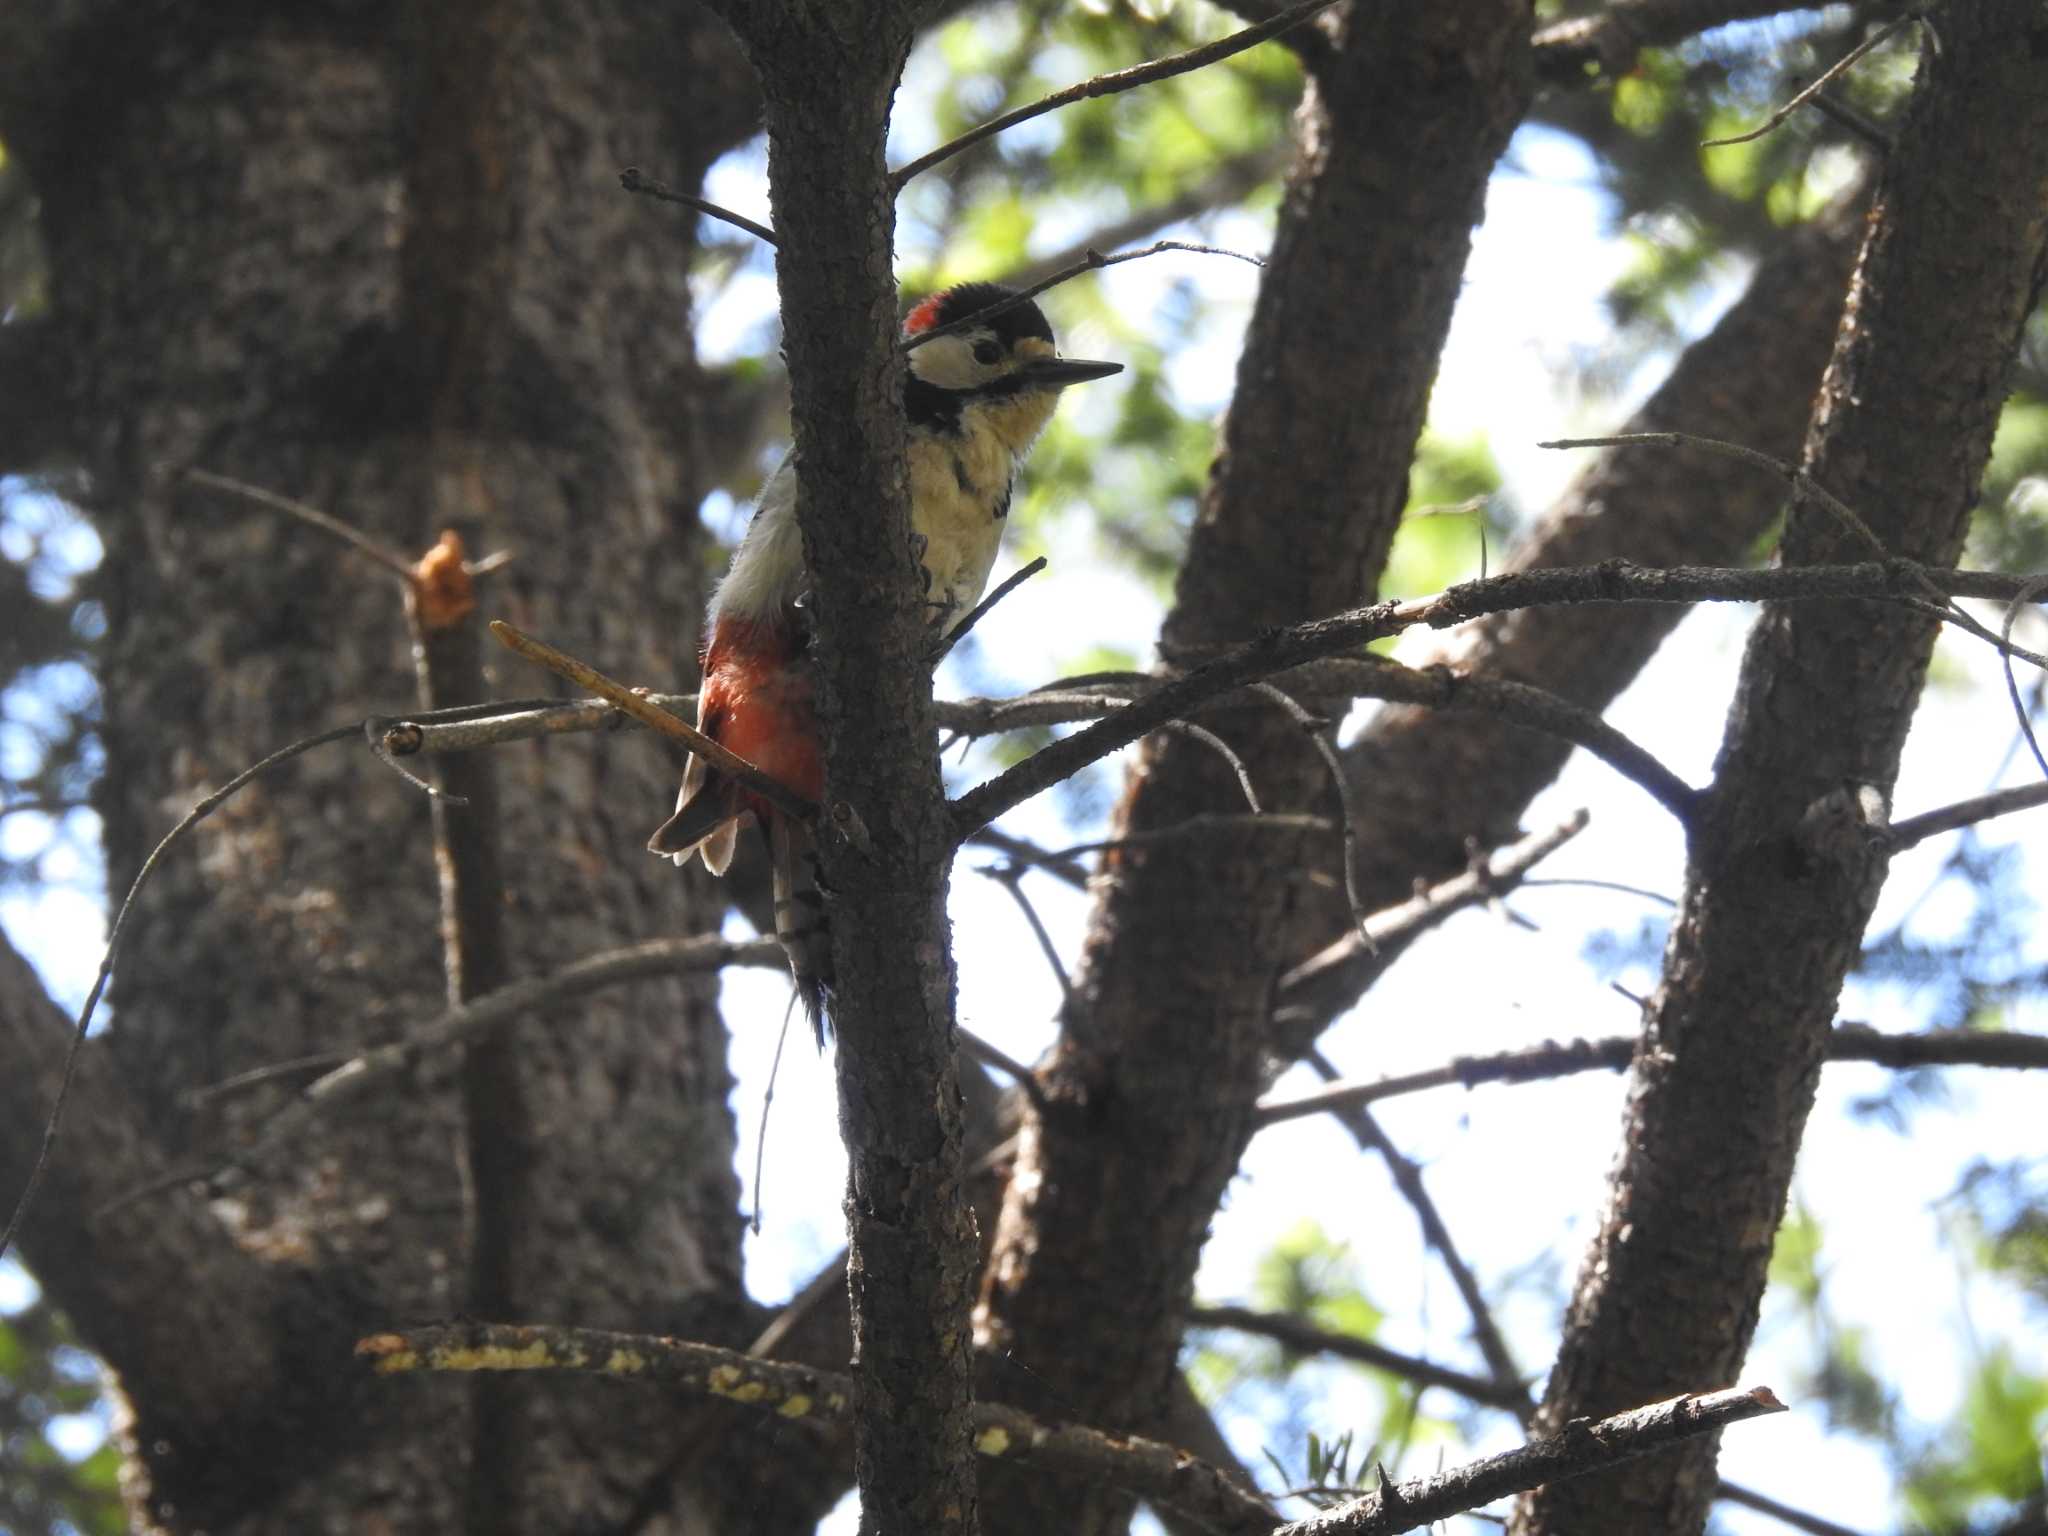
[
  {"x": 1150, "y": 1087},
  {"x": 375, "y": 257},
  {"x": 827, "y": 74},
  {"x": 1787, "y": 862},
  {"x": 1429, "y": 782}
]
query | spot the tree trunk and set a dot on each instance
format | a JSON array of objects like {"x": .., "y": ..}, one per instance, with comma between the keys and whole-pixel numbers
[
  {"x": 1787, "y": 860},
  {"x": 379, "y": 261}
]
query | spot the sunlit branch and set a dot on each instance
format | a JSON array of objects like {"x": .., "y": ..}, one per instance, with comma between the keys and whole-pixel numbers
[
  {"x": 1579, "y": 1449},
  {"x": 1160, "y": 1473}
]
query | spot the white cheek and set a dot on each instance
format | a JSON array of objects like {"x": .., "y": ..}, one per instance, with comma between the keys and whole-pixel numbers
[{"x": 948, "y": 362}]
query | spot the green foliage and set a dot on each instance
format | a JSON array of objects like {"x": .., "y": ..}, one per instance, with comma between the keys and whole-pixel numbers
[
  {"x": 1840, "y": 1374},
  {"x": 45, "y": 1376},
  {"x": 2010, "y": 530},
  {"x": 1991, "y": 1453},
  {"x": 1450, "y": 510}
]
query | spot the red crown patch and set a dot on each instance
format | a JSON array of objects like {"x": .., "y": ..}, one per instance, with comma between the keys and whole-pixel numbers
[{"x": 924, "y": 317}]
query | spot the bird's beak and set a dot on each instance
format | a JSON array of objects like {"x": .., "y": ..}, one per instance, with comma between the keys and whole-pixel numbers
[{"x": 1059, "y": 372}]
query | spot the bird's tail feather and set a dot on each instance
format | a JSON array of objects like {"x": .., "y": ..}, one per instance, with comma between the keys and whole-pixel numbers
[
  {"x": 706, "y": 820},
  {"x": 800, "y": 924}
]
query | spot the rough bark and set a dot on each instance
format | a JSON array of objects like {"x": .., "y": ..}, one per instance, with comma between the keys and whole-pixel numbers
[
  {"x": 287, "y": 247},
  {"x": 1151, "y": 1086},
  {"x": 827, "y": 74},
  {"x": 1784, "y": 868},
  {"x": 1425, "y": 781}
]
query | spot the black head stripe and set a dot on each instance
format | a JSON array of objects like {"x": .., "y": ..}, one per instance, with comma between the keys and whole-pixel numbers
[{"x": 1012, "y": 325}]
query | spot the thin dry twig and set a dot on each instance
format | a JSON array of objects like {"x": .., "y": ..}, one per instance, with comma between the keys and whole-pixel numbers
[
  {"x": 1091, "y": 261},
  {"x": 1201, "y": 824},
  {"x": 980, "y": 610},
  {"x": 489, "y": 1013},
  {"x": 1942, "y": 604},
  {"x": 1315, "y": 729},
  {"x": 355, "y": 539},
  {"x": 192, "y": 818},
  {"x": 1011, "y": 878},
  {"x": 1304, "y": 1337},
  {"x": 1998, "y": 1050},
  {"x": 1813, "y": 91},
  {"x": 1407, "y": 1177},
  {"x": 2027, "y": 594},
  {"x": 652, "y": 715},
  {"x": 993, "y": 1056},
  {"x": 1223, "y": 749},
  {"x": 1392, "y": 927},
  {"x": 1112, "y": 83},
  {"x": 633, "y": 179},
  {"x": 1159, "y": 1473}
]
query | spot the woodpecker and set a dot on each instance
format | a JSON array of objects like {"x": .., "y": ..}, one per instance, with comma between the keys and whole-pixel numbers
[{"x": 974, "y": 402}]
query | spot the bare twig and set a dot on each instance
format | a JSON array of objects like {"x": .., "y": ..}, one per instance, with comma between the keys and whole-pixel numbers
[
  {"x": 1112, "y": 83},
  {"x": 1223, "y": 749},
  {"x": 354, "y": 538},
  {"x": 475, "y": 1021},
  {"x": 1280, "y": 649},
  {"x": 1804, "y": 485},
  {"x": 1816, "y": 87},
  {"x": 635, "y": 180},
  {"x": 1229, "y": 183},
  {"x": 2006, "y": 1049},
  {"x": 1057, "y": 863},
  {"x": 767, "y": 786},
  {"x": 991, "y": 1056},
  {"x": 1315, "y": 729},
  {"x": 2027, "y": 594},
  {"x": 192, "y": 818},
  {"x": 1008, "y": 585},
  {"x": 1407, "y": 1177},
  {"x": 1392, "y": 927},
  {"x": 1090, "y": 261},
  {"x": 1202, "y": 824},
  {"x": 1306, "y": 1338},
  {"x": 257, "y": 1077},
  {"x": 1159, "y": 1473},
  {"x": 1965, "y": 813},
  {"x": 1579, "y": 1449},
  {"x": 1011, "y": 878}
]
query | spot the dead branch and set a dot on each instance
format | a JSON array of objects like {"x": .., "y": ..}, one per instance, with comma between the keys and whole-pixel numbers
[
  {"x": 633, "y": 179},
  {"x": 649, "y": 714},
  {"x": 1160, "y": 1473}
]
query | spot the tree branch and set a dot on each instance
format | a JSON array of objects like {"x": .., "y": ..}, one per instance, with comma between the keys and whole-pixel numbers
[
  {"x": 1292, "y": 646},
  {"x": 1153, "y": 1471},
  {"x": 1112, "y": 83},
  {"x": 1607, "y": 43},
  {"x": 478, "y": 1020},
  {"x": 2006, "y": 1049},
  {"x": 1306, "y": 1338},
  {"x": 1311, "y": 989},
  {"x": 1582, "y": 1447}
]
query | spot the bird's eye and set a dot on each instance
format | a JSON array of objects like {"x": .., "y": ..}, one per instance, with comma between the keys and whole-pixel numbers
[{"x": 987, "y": 352}]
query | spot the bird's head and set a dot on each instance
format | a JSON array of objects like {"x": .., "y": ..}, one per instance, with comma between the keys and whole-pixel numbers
[{"x": 1003, "y": 369}]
